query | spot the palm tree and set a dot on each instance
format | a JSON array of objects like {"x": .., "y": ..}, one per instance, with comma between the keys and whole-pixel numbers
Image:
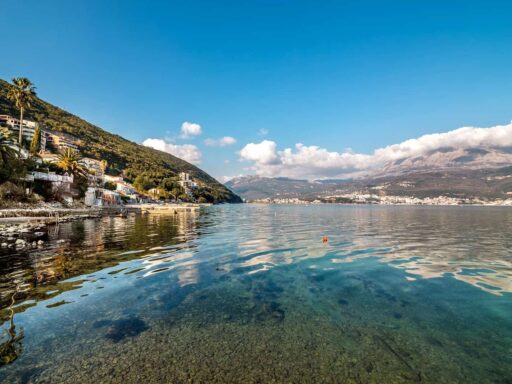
[
  {"x": 69, "y": 161},
  {"x": 22, "y": 92}
]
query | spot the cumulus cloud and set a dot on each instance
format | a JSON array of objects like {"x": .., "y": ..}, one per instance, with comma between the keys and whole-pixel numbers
[
  {"x": 315, "y": 162},
  {"x": 189, "y": 130},
  {"x": 263, "y": 153},
  {"x": 222, "y": 142},
  {"x": 187, "y": 152}
]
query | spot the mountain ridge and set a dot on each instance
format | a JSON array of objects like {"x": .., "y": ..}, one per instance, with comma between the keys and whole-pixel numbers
[{"x": 464, "y": 172}]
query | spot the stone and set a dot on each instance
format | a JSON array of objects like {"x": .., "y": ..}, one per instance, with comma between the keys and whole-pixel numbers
[
  {"x": 40, "y": 242},
  {"x": 20, "y": 243},
  {"x": 4, "y": 245}
]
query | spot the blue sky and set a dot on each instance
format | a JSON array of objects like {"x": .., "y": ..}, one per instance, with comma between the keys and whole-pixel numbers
[{"x": 332, "y": 74}]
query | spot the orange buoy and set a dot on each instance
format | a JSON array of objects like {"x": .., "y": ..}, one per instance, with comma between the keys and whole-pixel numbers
[{"x": 325, "y": 239}]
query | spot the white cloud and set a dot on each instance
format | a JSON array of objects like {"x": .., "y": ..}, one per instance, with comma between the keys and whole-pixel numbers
[
  {"x": 263, "y": 132},
  {"x": 222, "y": 142},
  {"x": 190, "y": 129},
  {"x": 315, "y": 162},
  {"x": 263, "y": 153},
  {"x": 187, "y": 152}
]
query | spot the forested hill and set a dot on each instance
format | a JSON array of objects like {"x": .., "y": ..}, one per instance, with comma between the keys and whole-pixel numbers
[{"x": 123, "y": 156}]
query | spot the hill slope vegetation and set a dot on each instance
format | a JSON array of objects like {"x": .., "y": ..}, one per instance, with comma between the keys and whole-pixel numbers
[{"x": 123, "y": 156}]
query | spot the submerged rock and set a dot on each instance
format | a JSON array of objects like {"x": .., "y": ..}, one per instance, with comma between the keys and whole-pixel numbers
[
  {"x": 122, "y": 328},
  {"x": 272, "y": 310}
]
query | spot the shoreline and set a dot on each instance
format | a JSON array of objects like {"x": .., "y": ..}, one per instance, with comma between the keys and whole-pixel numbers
[
  {"x": 59, "y": 214},
  {"x": 28, "y": 227}
]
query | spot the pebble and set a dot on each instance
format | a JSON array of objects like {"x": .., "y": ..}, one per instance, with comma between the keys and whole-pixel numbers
[{"x": 20, "y": 243}]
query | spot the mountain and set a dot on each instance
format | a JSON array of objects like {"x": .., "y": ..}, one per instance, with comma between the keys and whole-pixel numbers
[
  {"x": 449, "y": 159},
  {"x": 123, "y": 156},
  {"x": 483, "y": 172}
]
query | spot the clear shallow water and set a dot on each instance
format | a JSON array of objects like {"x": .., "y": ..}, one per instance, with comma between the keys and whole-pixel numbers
[{"x": 250, "y": 293}]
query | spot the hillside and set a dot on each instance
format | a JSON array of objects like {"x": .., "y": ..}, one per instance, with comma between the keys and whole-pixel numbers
[{"x": 123, "y": 156}]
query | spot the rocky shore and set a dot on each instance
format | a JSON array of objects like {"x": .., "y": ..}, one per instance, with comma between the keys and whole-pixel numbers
[
  {"x": 32, "y": 231},
  {"x": 28, "y": 227},
  {"x": 24, "y": 235}
]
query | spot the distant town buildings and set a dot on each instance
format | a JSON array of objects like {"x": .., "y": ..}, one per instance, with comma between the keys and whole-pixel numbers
[{"x": 365, "y": 198}]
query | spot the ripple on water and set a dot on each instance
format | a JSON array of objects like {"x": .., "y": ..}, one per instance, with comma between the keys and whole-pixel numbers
[{"x": 398, "y": 294}]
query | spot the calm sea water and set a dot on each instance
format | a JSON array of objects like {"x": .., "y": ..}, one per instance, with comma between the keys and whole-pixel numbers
[{"x": 250, "y": 293}]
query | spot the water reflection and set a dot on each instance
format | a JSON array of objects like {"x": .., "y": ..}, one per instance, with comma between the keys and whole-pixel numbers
[
  {"x": 83, "y": 247},
  {"x": 470, "y": 243},
  {"x": 10, "y": 343}
]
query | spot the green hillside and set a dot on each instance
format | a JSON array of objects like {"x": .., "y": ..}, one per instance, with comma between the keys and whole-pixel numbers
[{"x": 123, "y": 156}]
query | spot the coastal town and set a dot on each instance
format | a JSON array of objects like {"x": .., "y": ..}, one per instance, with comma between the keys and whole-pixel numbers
[
  {"x": 50, "y": 148},
  {"x": 380, "y": 199}
]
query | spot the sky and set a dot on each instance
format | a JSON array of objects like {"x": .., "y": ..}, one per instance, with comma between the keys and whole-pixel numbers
[{"x": 274, "y": 87}]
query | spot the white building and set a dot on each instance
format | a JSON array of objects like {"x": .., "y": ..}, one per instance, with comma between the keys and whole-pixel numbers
[
  {"x": 125, "y": 188},
  {"x": 99, "y": 197},
  {"x": 29, "y": 128},
  {"x": 112, "y": 179},
  {"x": 186, "y": 182},
  {"x": 60, "y": 140},
  {"x": 93, "y": 166}
]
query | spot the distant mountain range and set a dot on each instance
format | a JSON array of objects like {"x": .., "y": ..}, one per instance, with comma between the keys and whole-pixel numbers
[
  {"x": 483, "y": 172},
  {"x": 123, "y": 156}
]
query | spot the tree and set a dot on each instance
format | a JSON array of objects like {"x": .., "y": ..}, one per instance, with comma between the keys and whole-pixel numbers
[
  {"x": 35, "y": 145},
  {"x": 143, "y": 183},
  {"x": 109, "y": 185},
  {"x": 103, "y": 166},
  {"x": 22, "y": 92},
  {"x": 69, "y": 161},
  {"x": 11, "y": 168},
  {"x": 7, "y": 153}
]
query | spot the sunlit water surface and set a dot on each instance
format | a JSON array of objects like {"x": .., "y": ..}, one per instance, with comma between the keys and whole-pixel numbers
[{"x": 250, "y": 293}]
